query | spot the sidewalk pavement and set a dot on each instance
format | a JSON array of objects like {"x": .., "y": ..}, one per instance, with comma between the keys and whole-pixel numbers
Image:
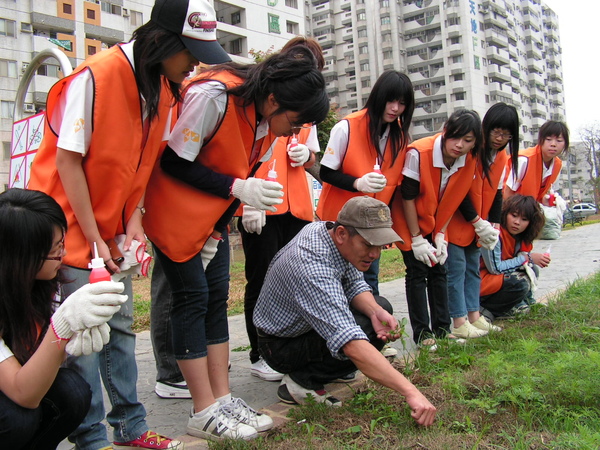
[{"x": 575, "y": 255}]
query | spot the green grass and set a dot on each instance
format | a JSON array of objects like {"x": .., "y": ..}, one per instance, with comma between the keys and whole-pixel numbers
[{"x": 532, "y": 386}]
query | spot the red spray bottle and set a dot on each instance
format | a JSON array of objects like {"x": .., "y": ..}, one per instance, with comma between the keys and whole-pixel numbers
[{"x": 99, "y": 272}]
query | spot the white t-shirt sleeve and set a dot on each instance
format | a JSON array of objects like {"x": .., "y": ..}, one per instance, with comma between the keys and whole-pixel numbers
[
  {"x": 513, "y": 182},
  {"x": 312, "y": 141},
  {"x": 5, "y": 352},
  {"x": 411, "y": 165},
  {"x": 73, "y": 115},
  {"x": 336, "y": 147},
  {"x": 202, "y": 110}
]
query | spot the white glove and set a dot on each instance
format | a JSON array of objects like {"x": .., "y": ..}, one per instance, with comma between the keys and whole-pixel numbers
[
  {"x": 371, "y": 183},
  {"x": 90, "y": 340},
  {"x": 531, "y": 275},
  {"x": 253, "y": 219},
  {"x": 423, "y": 250},
  {"x": 136, "y": 260},
  {"x": 259, "y": 193},
  {"x": 89, "y": 306},
  {"x": 299, "y": 155},
  {"x": 209, "y": 251},
  {"x": 441, "y": 247},
  {"x": 488, "y": 235}
]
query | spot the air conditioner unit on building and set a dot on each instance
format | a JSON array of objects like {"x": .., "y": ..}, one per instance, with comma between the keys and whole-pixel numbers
[
  {"x": 29, "y": 107},
  {"x": 24, "y": 67},
  {"x": 125, "y": 12}
]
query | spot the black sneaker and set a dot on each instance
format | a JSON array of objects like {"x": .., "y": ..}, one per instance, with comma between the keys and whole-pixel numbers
[
  {"x": 349, "y": 378},
  {"x": 292, "y": 393}
]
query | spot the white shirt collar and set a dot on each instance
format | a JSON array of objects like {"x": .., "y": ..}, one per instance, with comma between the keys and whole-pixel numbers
[{"x": 438, "y": 157}]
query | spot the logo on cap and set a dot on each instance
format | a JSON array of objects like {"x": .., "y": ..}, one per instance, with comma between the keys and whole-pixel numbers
[{"x": 195, "y": 22}]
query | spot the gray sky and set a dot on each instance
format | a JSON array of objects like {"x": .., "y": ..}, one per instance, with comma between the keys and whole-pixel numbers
[{"x": 579, "y": 38}]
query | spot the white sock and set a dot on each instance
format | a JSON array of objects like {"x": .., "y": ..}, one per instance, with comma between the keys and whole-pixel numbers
[
  {"x": 224, "y": 399},
  {"x": 205, "y": 410}
]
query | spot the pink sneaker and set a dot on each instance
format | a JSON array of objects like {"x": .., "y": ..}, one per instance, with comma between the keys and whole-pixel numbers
[{"x": 151, "y": 440}]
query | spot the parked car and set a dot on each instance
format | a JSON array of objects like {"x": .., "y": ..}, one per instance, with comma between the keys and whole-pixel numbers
[{"x": 585, "y": 209}]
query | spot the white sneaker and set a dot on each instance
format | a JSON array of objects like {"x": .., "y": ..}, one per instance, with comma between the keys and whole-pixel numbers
[
  {"x": 468, "y": 331},
  {"x": 245, "y": 414},
  {"x": 388, "y": 351},
  {"x": 172, "y": 390},
  {"x": 219, "y": 423},
  {"x": 265, "y": 372},
  {"x": 483, "y": 324}
]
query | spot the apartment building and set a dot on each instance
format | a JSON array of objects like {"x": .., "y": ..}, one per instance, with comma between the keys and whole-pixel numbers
[
  {"x": 458, "y": 54},
  {"x": 575, "y": 181},
  {"x": 81, "y": 28}
]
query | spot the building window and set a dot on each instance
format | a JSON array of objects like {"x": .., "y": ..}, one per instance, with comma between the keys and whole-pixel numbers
[
  {"x": 6, "y": 150},
  {"x": 91, "y": 14},
  {"x": 385, "y": 3},
  {"x": 236, "y": 46},
  {"x": 91, "y": 50},
  {"x": 6, "y": 109},
  {"x": 364, "y": 67},
  {"x": 459, "y": 96},
  {"x": 365, "y": 83},
  {"x": 136, "y": 19},
  {"x": 292, "y": 3},
  {"x": 7, "y": 27},
  {"x": 385, "y": 20},
  {"x": 67, "y": 9},
  {"x": 387, "y": 54},
  {"x": 236, "y": 18},
  {"x": 361, "y": 16},
  {"x": 8, "y": 68},
  {"x": 363, "y": 49},
  {"x": 387, "y": 37},
  {"x": 48, "y": 70},
  {"x": 362, "y": 33},
  {"x": 453, "y": 21},
  {"x": 459, "y": 77},
  {"x": 274, "y": 24},
  {"x": 291, "y": 27},
  {"x": 457, "y": 59},
  {"x": 455, "y": 40}
]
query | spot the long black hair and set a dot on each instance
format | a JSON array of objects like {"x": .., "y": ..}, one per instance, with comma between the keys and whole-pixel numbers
[
  {"x": 460, "y": 123},
  {"x": 292, "y": 76},
  {"x": 28, "y": 220},
  {"x": 505, "y": 117},
  {"x": 390, "y": 86},
  {"x": 525, "y": 206},
  {"x": 152, "y": 45}
]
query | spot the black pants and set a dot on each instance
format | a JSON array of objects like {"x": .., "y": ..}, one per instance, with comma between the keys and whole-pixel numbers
[
  {"x": 426, "y": 286},
  {"x": 306, "y": 358},
  {"x": 259, "y": 250},
  {"x": 61, "y": 410},
  {"x": 515, "y": 289}
]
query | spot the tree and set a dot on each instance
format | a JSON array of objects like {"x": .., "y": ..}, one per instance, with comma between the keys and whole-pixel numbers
[{"x": 590, "y": 135}]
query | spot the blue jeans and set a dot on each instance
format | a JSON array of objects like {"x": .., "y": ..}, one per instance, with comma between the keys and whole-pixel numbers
[
  {"x": 426, "y": 285},
  {"x": 115, "y": 363},
  {"x": 63, "y": 408},
  {"x": 161, "y": 334},
  {"x": 372, "y": 276},
  {"x": 199, "y": 309},
  {"x": 463, "y": 279}
]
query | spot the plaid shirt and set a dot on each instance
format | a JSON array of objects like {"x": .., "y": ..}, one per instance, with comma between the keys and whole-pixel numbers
[{"x": 310, "y": 285}]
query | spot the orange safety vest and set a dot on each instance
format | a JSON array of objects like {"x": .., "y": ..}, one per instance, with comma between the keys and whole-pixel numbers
[
  {"x": 296, "y": 192},
  {"x": 532, "y": 180},
  {"x": 432, "y": 211},
  {"x": 482, "y": 194},
  {"x": 180, "y": 218},
  {"x": 491, "y": 282},
  {"x": 359, "y": 160},
  {"x": 118, "y": 163}
]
